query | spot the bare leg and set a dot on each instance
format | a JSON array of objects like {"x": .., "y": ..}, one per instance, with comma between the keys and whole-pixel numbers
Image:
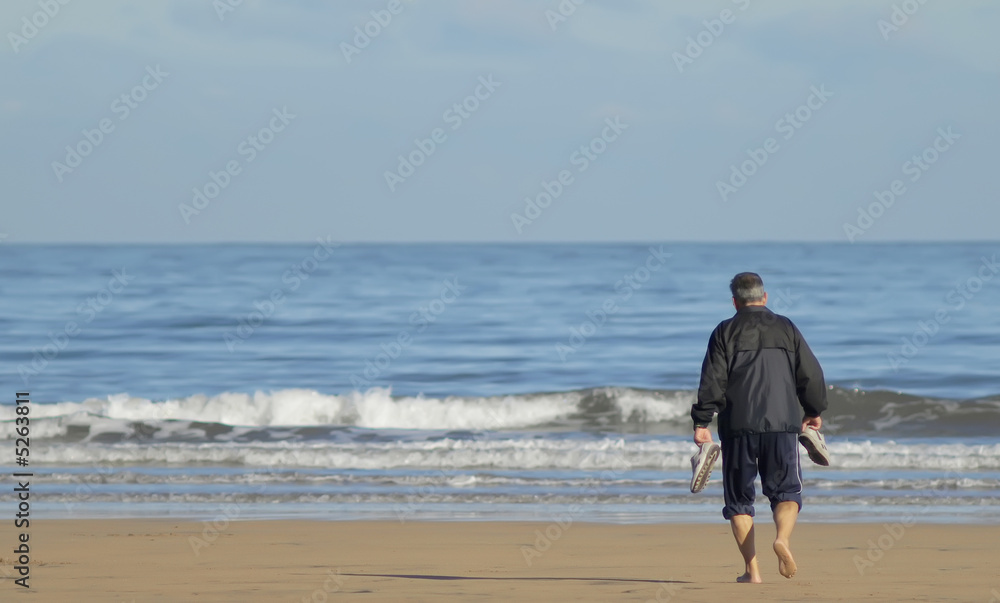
[
  {"x": 785, "y": 514},
  {"x": 743, "y": 531}
]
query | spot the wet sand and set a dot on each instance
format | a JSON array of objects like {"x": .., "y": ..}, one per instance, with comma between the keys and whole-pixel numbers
[{"x": 163, "y": 560}]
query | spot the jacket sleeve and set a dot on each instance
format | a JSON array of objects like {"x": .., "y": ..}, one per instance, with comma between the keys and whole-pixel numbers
[
  {"x": 809, "y": 383},
  {"x": 714, "y": 379}
]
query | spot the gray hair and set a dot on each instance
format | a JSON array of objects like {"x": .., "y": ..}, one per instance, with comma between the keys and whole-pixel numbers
[{"x": 747, "y": 287}]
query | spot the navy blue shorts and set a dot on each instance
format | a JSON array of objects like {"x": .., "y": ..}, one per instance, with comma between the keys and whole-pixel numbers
[{"x": 775, "y": 456}]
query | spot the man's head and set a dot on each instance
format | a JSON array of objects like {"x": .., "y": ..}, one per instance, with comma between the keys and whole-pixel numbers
[{"x": 748, "y": 290}]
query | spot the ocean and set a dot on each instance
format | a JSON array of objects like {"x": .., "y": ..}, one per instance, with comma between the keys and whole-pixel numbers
[{"x": 480, "y": 381}]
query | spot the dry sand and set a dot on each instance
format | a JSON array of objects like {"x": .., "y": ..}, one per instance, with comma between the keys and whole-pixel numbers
[{"x": 155, "y": 560}]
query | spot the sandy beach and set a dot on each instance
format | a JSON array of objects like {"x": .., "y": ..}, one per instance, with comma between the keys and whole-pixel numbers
[{"x": 162, "y": 560}]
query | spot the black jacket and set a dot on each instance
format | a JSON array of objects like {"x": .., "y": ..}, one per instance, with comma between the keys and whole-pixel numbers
[{"x": 759, "y": 375}]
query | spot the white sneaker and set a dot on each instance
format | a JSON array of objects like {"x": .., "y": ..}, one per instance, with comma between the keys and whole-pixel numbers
[
  {"x": 702, "y": 464},
  {"x": 815, "y": 444}
]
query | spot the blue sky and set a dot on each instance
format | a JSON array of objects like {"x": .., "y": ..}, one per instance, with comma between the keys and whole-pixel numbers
[{"x": 201, "y": 84}]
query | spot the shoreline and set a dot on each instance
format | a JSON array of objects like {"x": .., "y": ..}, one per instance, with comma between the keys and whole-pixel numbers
[
  {"x": 702, "y": 509},
  {"x": 918, "y": 515},
  {"x": 295, "y": 560}
]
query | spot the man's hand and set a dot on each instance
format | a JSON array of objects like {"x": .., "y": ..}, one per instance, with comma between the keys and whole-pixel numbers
[
  {"x": 812, "y": 423},
  {"x": 702, "y": 435}
]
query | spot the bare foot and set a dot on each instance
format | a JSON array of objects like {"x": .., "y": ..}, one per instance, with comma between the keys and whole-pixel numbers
[
  {"x": 786, "y": 564},
  {"x": 748, "y": 579},
  {"x": 752, "y": 574}
]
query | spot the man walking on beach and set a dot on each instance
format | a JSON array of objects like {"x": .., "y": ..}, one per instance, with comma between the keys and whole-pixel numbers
[{"x": 759, "y": 375}]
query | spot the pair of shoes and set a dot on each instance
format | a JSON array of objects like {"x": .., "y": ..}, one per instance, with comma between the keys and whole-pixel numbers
[
  {"x": 702, "y": 464},
  {"x": 815, "y": 444}
]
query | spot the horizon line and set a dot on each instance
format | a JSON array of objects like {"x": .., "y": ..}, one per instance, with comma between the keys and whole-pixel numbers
[{"x": 9, "y": 243}]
